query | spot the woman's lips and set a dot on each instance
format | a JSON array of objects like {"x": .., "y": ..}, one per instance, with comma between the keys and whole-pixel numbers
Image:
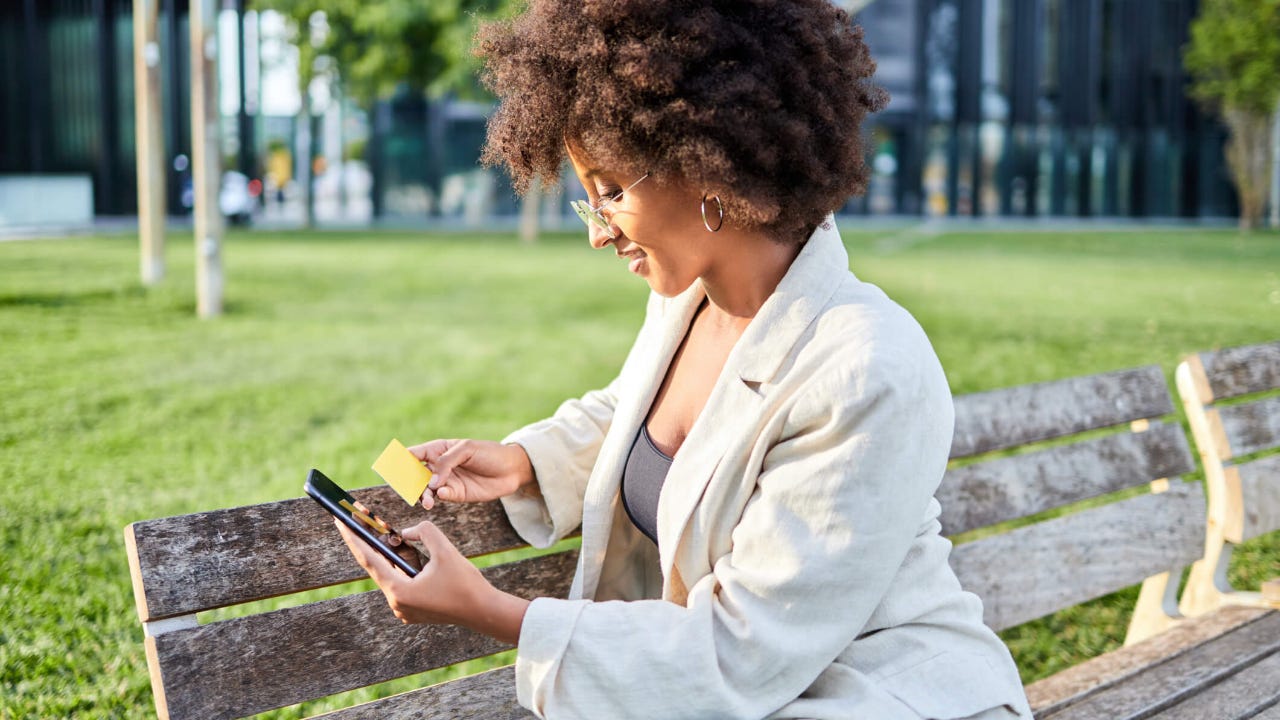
[{"x": 635, "y": 259}]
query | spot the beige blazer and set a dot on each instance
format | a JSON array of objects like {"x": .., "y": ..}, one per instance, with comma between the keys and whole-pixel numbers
[{"x": 799, "y": 571}]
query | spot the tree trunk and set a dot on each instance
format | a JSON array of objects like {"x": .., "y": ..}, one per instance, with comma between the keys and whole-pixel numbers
[
  {"x": 306, "y": 169},
  {"x": 206, "y": 158},
  {"x": 530, "y": 205},
  {"x": 149, "y": 129},
  {"x": 1249, "y": 153}
]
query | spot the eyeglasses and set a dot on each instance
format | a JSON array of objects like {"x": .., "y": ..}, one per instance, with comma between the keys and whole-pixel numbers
[{"x": 593, "y": 215}]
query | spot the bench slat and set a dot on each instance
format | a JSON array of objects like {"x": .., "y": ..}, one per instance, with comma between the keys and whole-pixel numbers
[
  {"x": 1242, "y": 370},
  {"x": 1035, "y": 570},
  {"x": 986, "y": 493},
  {"x": 1251, "y": 427},
  {"x": 1271, "y": 713},
  {"x": 1189, "y": 672},
  {"x": 1236, "y": 697},
  {"x": 486, "y": 696},
  {"x": 262, "y": 551},
  {"x": 1077, "y": 682},
  {"x": 248, "y": 665},
  {"x": 1009, "y": 417},
  {"x": 1260, "y": 489}
]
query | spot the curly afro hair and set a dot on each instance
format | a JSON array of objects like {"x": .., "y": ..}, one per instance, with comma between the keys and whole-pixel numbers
[{"x": 760, "y": 102}]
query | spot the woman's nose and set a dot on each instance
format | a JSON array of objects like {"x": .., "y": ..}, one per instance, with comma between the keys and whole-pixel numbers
[{"x": 599, "y": 237}]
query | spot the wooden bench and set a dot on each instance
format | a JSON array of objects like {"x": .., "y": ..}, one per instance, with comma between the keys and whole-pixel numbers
[
  {"x": 1110, "y": 438},
  {"x": 1244, "y": 490}
]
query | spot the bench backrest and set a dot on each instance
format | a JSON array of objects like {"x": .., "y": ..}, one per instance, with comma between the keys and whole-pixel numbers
[
  {"x": 240, "y": 666},
  {"x": 1234, "y": 417},
  {"x": 232, "y": 668},
  {"x": 1110, "y": 439}
]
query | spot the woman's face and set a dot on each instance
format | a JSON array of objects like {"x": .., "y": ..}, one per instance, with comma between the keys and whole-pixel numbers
[{"x": 658, "y": 226}]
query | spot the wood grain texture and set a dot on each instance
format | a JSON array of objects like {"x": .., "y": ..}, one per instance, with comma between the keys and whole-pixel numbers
[
  {"x": 1034, "y": 570},
  {"x": 1242, "y": 695},
  {"x": 248, "y": 665},
  {"x": 1260, "y": 496},
  {"x": 1251, "y": 427},
  {"x": 1019, "y": 415},
  {"x": 190, "y": 563},
  {"x": 1242, "y": 370},
  {"x": 1164, "y": 684},
  {"x": 1271, "y": 713},
  {"x": 986, "y": 493},
  {"x": 1072, "y": 684},
  {"x": 486, "y": 696}
]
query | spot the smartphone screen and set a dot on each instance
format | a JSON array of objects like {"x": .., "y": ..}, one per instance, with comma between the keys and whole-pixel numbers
[{"x": 361, "y": 521}]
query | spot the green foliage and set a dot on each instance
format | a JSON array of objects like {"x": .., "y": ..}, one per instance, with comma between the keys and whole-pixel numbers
[
  {"x": 1234, "y": 55},
  {"x": 118, "y": 405},
  {"x": 1234, "y": 59},
  {"x": 379, "y": 45},
  {"x": 356, "y": 150}
]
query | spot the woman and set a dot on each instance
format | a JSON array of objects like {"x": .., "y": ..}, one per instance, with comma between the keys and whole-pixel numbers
[{"x": 754, "y": 489}]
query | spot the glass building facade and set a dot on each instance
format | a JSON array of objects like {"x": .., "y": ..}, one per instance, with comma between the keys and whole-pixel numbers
[
  {"x": 66, "y": 93},
  {"x": 1040, "y": 108},
  {"x": 1000, "y": 108}
]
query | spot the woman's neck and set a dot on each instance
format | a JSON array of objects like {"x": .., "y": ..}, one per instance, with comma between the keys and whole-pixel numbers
[{"x": 745, "y": 271}]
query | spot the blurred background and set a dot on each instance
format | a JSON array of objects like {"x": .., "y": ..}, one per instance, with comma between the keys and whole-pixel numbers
[{"x": 1000, "y": 108}]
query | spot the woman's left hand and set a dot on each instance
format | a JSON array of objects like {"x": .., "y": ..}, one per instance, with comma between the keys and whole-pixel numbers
[{"x": 448, "y": 589}]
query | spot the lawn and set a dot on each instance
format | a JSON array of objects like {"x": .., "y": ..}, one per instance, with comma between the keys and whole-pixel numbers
[{"x": 117, "y": 405}]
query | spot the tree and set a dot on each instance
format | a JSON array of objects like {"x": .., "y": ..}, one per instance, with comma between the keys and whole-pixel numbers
[
  {"x": 1234, "y": 60},
  {"x": 368, "y": 48},
  {"x": 299, "y": 15}
]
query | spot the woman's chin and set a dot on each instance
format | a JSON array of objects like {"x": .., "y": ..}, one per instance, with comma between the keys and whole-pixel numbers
[{"x": 666, "y": 287}]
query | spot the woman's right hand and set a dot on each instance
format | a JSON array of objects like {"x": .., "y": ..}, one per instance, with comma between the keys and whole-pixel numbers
[{"x": 472, "y": 470}]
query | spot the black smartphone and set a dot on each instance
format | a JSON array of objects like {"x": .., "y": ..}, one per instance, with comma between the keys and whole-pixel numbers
[{"x": 363, "y": 522}]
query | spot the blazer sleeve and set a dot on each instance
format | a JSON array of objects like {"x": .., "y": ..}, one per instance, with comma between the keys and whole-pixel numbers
[
  {"x": 838, "y": 502},
  {"x": 563, "y": 450}
]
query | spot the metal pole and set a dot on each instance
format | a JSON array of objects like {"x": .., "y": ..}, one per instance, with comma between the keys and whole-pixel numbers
[
  {"x": 248, "y": 165},
  {"x": 206, "y": 160},
  {"x": 149, "y": 134}
]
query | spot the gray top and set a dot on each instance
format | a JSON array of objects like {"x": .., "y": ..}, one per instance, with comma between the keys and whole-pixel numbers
[{"x": 642, "y": 480}]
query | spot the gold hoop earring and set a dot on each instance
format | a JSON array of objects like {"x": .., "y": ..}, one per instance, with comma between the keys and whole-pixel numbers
[{"x": 719, "y": 206}]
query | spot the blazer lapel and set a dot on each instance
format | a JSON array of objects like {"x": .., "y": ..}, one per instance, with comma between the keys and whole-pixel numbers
[
  {"x": 633, "y": 407},
  {"x": 732, "y": 405},
  {"x": 739, "y": 394}
]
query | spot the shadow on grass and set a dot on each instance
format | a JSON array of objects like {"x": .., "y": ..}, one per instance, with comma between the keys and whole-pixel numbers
[
  {"x": 55, "y": 300},
  {"x": 229, "y": 308},
  {"x": 167, "y": 303}
]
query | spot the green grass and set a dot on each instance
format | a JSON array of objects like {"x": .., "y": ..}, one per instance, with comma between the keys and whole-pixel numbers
[{"x": 117, "y": 405}]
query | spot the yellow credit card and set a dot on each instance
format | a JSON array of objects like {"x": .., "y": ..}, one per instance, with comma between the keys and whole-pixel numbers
[{"x": 403, "y": 472}]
